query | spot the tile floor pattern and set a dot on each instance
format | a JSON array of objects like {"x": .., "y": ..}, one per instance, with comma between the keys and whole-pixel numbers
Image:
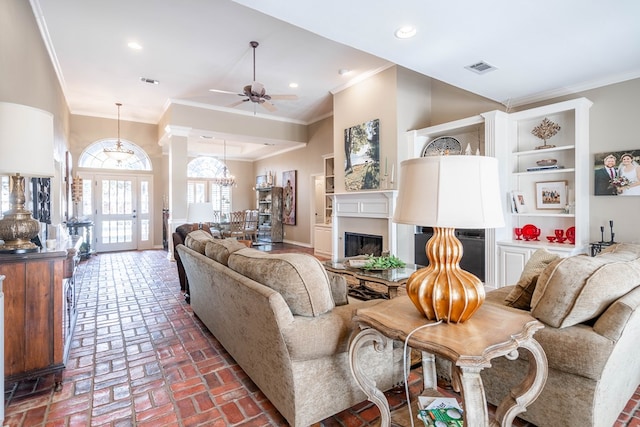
[{"x": 141, "y": 358}]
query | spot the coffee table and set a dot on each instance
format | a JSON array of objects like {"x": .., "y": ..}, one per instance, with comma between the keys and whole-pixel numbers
[
  {"x": 493, "y": 331},
  {"x": 391, "y": 279}
]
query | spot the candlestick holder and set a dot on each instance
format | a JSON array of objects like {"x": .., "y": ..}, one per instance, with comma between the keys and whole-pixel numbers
[
  {"x": 385, "y": 182},
  {"x": 601, "y": 234},
  {"x": 612, "y": 233}
]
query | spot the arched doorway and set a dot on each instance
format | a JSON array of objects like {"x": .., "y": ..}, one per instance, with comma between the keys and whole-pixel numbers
[{"x": 116, "y": 196}]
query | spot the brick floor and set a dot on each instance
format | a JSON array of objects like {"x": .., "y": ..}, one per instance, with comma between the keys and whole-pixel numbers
[{"x": 141, "y": 358}]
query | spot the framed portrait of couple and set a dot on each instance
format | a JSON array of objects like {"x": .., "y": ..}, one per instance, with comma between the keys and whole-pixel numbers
[{"x": 617, "y": 173}]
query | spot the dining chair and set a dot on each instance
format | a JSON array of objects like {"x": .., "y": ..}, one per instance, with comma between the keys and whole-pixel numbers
[
  {"x": 216, "y": 230},
  {"x": 251, "y": 224},
  {"x": 236, "y": 225}
]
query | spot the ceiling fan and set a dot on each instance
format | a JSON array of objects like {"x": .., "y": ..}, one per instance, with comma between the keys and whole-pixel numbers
[{"x": 255, "y": 92}]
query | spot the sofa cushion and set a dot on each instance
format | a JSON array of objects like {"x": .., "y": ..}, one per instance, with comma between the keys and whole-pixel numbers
[
  {"x": 520, "y": 295},
  {"x": 220, "y": 249},
  {"x": 197, "y": 240},
  {"x": 299, "y": 278},
  {"x": 579, "y": 288}
]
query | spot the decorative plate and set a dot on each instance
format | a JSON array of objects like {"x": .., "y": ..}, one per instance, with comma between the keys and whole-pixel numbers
[
  {"x": 529, "y": 231},
  {"x": 571, "y": 234},
  {"x": 441, "y": 146}
]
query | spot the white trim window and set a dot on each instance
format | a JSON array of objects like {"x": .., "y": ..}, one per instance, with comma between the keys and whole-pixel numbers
[{"x": 200, "y": 188}]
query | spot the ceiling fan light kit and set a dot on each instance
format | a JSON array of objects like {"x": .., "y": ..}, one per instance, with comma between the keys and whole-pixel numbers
[{"x": 256, "y": 92}]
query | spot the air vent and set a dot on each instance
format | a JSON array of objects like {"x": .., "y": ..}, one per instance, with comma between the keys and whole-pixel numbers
[
  {"x": 148, "y": 80},
  {"x": 480, "y": 67}
]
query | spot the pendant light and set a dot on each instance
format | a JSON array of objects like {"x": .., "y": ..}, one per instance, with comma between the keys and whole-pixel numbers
[
  {"x": 226, "y": 180},
  {"x": 118, "y": 153}
]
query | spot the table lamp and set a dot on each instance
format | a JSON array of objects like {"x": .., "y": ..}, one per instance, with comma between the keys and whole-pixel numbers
[
  {"x": 448, "y": 192},
  {"x": 200, "y": 213},
  {"x": 26, "y": 138}
]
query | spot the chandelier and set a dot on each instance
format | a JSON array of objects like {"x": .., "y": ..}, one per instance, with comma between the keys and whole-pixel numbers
[
  {"x": 226, "y": 180},
  {"x": 118, "y": 153}
]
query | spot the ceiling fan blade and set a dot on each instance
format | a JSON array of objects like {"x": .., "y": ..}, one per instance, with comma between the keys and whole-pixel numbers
[
  {"x": 235, "y": 104},
  {"x": 285, "y": 97},
  {"x": 225, "y": 91},
  {"x": 269, "y": 106}
]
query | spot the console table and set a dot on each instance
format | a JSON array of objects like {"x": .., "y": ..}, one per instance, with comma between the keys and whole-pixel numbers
[{"x": 493, "y": 331}]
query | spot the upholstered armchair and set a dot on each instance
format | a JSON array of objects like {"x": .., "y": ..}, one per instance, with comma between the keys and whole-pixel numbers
[{"x": 178, "y": 239}]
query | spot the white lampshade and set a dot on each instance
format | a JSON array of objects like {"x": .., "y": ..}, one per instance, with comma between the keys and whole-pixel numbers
[
  {"x": 26, "y": 138},
  {"x": 449, "y": 191},
  {"x": 200, "y": 213}
]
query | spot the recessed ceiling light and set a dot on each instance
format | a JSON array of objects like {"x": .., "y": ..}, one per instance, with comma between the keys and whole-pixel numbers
[
  {"x": 293, "y": 85},
  {"x": 405, "y": 32},
  {"x": 134, "y": 45},
  {"x": 344, "y": 71}
]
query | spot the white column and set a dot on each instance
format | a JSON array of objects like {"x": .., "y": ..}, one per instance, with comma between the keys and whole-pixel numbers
[{"x": 178, "y": 159}]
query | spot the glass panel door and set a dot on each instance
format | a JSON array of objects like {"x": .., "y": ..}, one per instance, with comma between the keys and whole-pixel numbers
[{"x": 116, "y": 218}]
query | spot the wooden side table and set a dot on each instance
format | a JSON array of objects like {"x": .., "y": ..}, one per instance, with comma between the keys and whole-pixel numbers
[{"x": 493, "y": 331}]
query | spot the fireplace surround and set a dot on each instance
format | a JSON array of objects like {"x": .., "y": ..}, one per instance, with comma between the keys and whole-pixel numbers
[{"x": 364, "y": 212}]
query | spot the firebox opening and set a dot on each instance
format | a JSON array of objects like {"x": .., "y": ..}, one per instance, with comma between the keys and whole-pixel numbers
[{"x": 362, "y": 244}]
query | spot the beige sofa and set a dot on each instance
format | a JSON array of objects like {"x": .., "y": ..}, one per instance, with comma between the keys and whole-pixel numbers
[
  {"x": 278, "y": 317},
  {"x": 590, "y": 308}
]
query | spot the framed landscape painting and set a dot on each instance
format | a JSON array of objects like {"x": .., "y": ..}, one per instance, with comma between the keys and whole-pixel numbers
[{"x": 362, "y": 156}]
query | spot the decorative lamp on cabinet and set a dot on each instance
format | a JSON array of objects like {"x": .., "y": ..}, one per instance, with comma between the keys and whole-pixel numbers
[
  {"x": 26, "y": 137},
  {"x": 448, "y": 192}
]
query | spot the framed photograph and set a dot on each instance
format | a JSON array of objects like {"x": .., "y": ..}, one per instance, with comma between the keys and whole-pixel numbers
[
  {"x": 519, "y": 203},
  {"x": 289, "y": 198},
  {"x": 551, "y": 194},
  {"x": 616, "y": 172},
  {"x": 261, "y": 181}
]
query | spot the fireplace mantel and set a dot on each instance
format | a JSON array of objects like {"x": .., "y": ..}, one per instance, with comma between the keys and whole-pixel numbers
[{"x": 373, "y": 210}]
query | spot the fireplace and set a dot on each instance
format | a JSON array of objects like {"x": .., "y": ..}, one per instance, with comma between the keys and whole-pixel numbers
[
  {"x": 365, "y": 213},
  {"x": 362, "y": 244}
]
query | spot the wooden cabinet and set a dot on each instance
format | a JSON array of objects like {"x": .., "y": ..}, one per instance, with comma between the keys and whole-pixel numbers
[
  {"x": 270, "y": 227},
  {"x": 33, "y": 316}
]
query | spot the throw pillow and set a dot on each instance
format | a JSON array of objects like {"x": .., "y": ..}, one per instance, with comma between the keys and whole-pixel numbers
[
  {"x": 338, "y": 288},
  {"x": 520, "y": 295},
  {"x": 197, "y": 240},
  {"x": 220, "y": 249}
]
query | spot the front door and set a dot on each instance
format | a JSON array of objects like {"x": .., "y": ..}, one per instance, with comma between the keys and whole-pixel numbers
[{"x": 120, "y": 211}]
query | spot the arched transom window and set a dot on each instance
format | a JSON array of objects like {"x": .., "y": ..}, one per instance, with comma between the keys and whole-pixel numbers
[
  {"x": 94, "y": 157},
  {"x": 200, "y": 187}
]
